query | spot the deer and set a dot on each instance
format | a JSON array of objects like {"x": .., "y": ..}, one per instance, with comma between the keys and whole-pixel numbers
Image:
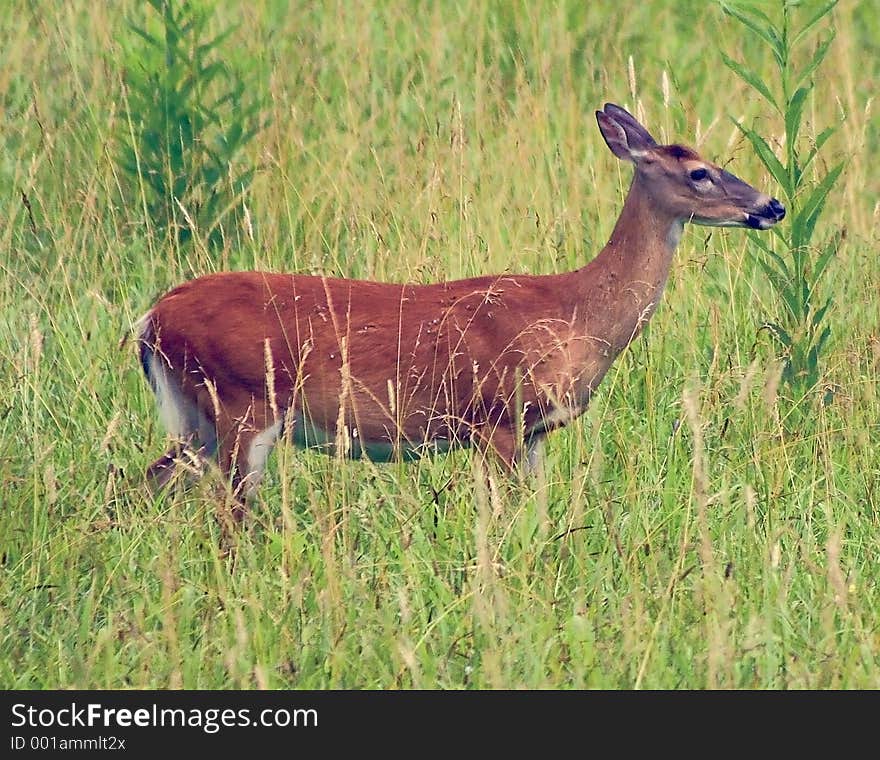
[{"x": 358, "y": 368}]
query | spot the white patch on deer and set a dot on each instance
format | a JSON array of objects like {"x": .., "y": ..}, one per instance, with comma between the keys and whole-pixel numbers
[
  {"x": 258, "y": 453},
  {"x": 674, "y": 234},
  {"x": 180, "y": 417},
  {"x": 534, "y": 452}
]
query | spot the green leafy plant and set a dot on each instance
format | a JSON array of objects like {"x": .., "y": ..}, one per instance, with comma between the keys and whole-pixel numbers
[
  {"x": 189, "y": 115},
  {"x": 801, "y": 330}
]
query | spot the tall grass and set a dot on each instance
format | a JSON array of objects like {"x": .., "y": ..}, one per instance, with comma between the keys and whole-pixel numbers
[
  {"x": 677, "y": 539},
  {"x": 797, "y": 273},
  {"x": 187, "y": 116}
]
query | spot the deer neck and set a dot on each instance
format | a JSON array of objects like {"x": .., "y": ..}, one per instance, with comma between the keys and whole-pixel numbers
[{"x": 621, "y": 287}]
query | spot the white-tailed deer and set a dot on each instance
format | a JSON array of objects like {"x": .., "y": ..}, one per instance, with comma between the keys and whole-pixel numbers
[{"x": 396, "y": 370}]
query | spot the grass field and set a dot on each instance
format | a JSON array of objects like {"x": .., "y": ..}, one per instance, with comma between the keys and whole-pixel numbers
[{"x": 684, "y": 533}]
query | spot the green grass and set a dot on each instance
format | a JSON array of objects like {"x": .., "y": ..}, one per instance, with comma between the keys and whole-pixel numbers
[{"x": 681, "y": 536}]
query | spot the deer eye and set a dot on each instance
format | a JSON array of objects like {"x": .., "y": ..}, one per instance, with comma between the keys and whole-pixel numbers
[{"x": 699, "y": 174}]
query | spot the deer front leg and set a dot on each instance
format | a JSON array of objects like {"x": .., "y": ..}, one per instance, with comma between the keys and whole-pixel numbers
[{"x": 499, "y": 443}]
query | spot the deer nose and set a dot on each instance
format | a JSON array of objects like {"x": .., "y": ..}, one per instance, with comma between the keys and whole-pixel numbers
[{"x": 776, "y": 208}]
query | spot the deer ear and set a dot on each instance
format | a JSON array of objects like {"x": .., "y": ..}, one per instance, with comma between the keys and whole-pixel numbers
[
  {"x": 629, "y": 123},
  {"x": 627, "y": 139}
]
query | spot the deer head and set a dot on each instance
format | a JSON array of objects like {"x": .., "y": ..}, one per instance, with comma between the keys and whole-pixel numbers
[{"x": 685, "y": 185}]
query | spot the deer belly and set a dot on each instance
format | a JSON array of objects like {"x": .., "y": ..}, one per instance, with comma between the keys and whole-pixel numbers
[{"x": 352, "y": 442}]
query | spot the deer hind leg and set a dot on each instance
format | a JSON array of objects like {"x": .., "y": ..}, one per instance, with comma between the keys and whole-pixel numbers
[
  {"x": 245, "y": 441},
  {"x": 193, "y": 432}
]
